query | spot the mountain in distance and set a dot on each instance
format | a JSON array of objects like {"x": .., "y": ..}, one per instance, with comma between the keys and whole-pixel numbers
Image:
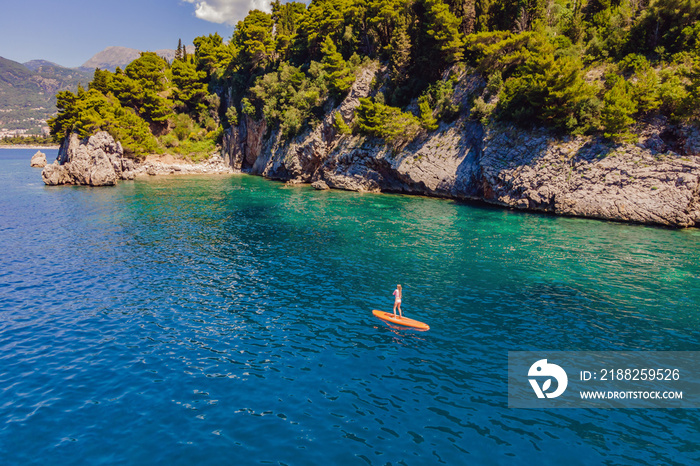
[
  {"x": 110, "y": 58},
  {"x": 39, "y": 65},
  {"x": 28, "y": 91},
  {"x": 113, "y": 57}
]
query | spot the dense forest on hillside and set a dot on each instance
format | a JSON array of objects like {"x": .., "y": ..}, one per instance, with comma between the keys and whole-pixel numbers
[
  {"x": 27, "y": 92},
  {"x": 576, "y": 66},
  {"x": 35, "y": 140}
]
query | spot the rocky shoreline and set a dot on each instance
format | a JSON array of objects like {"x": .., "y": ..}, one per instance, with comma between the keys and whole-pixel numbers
[
  {"x": 655, "y": 181},
  {"x": 166, "y": 165},
  {"x": 100, "y": 161}
]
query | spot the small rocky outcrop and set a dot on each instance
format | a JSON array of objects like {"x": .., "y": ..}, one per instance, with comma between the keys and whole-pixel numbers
[
  {"x": 320, "y": 185},
  {"x": 38, "y": 160},
  {"x": 94, "y": 161},
  {"x": 99, "y": 161}
]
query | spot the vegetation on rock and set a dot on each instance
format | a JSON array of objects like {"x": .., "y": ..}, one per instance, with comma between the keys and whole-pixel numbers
[{"x": 577, "y": 66}]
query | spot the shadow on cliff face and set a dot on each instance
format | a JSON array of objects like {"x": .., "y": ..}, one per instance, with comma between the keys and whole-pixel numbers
[
  {"x": 591, "y": 151},
  {"x": 668, "y": 139},
  {"x": 675, "y": 140},
  {"x": 443, "y": 164},
  {"x": 512, "y": 163},
  {"x": 469, "y": 170}
]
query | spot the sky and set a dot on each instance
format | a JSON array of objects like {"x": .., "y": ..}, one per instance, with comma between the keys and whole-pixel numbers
[{"x": 69, "y": 32}]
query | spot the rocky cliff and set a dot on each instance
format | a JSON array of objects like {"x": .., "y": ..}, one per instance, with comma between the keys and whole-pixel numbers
[
  {"x": 654, "y": 181},
  {"x": 94, "y": 161},
  {"x": 99, "y": 161}
]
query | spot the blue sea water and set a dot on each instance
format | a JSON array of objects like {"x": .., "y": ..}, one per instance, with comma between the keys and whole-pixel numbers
[{"x": 226, "y": 320}]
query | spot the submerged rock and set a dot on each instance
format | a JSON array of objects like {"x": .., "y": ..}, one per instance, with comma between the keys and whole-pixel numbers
[
  {"x": 320, "y": 185},
  {"x": 38, "y": 160},
  {"x": 94, "y": 161}
]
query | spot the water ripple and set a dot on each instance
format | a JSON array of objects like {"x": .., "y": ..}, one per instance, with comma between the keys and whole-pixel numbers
[{"x": 227, "y": 319}]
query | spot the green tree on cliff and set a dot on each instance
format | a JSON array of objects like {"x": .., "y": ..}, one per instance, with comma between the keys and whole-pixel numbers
[
  {"x": 63, "y": 123},
  {"x": 618, "y": 108},
  {"x": 211, "y": 54},
  {"x": 102, "y": 81},
  {"x": 385, "y": 16},
  {"x": 288, "y": 97},
  {"x": 551, "y": 91},
  {"x": 253, "y": 38},
  {"x": 326, "y": 18},
  {"x": 377, "y": 119},
  {"x": 90, "y": 111},
  {"x": 340, "y": 75},
  {"x": 399, "y": 55},
  {"x": 667, "y": 25},
  {"x": 444, "y": 44},
  {"x": 142, "y": 82},
  {"x": 190, "y": 89},
  {"x": 287, "y": 17}
]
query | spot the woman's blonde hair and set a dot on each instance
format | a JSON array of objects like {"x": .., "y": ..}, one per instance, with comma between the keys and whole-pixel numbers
[{"x": 399, "y": 288}]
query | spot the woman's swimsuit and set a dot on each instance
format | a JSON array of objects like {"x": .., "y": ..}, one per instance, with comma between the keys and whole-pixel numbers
[{"x": 398, "y": 296}]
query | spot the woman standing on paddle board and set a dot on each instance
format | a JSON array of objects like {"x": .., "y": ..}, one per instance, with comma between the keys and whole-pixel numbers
[{"x": 397, "y": 300}]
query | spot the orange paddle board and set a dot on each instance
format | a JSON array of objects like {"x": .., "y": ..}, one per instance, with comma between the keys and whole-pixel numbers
[{"x": 389, "y": 317}]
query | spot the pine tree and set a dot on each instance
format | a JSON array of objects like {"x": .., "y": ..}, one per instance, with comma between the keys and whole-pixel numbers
[
  {"x": 618, "y": 108},
  {"x": 253, "y": 37},
  {"x": 400, "y": 55},
  {"x": 178, "y": 51},
  {"x": 190, "y": 89},
  {"x": 443, "y": 39},
  {"x": 466, "y": 11},
  {"x": 427, "y": 120},
  {"x": 482, "y": 13},
  {"x": 340, "y": 76},
  {"x": 102, "y": 81},
  {"x": 646, "y": 90}
]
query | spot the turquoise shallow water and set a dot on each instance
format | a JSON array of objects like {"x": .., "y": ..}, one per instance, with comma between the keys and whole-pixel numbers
[{"x": 226, "y": 320}]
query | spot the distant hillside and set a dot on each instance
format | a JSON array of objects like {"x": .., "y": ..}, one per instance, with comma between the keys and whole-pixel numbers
[
  {"x": 27, "y": 91},
  {"x": 113, "y": 57},
  {"x": 110, "y": 58},
  {"x": 38, "y": 65}
]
